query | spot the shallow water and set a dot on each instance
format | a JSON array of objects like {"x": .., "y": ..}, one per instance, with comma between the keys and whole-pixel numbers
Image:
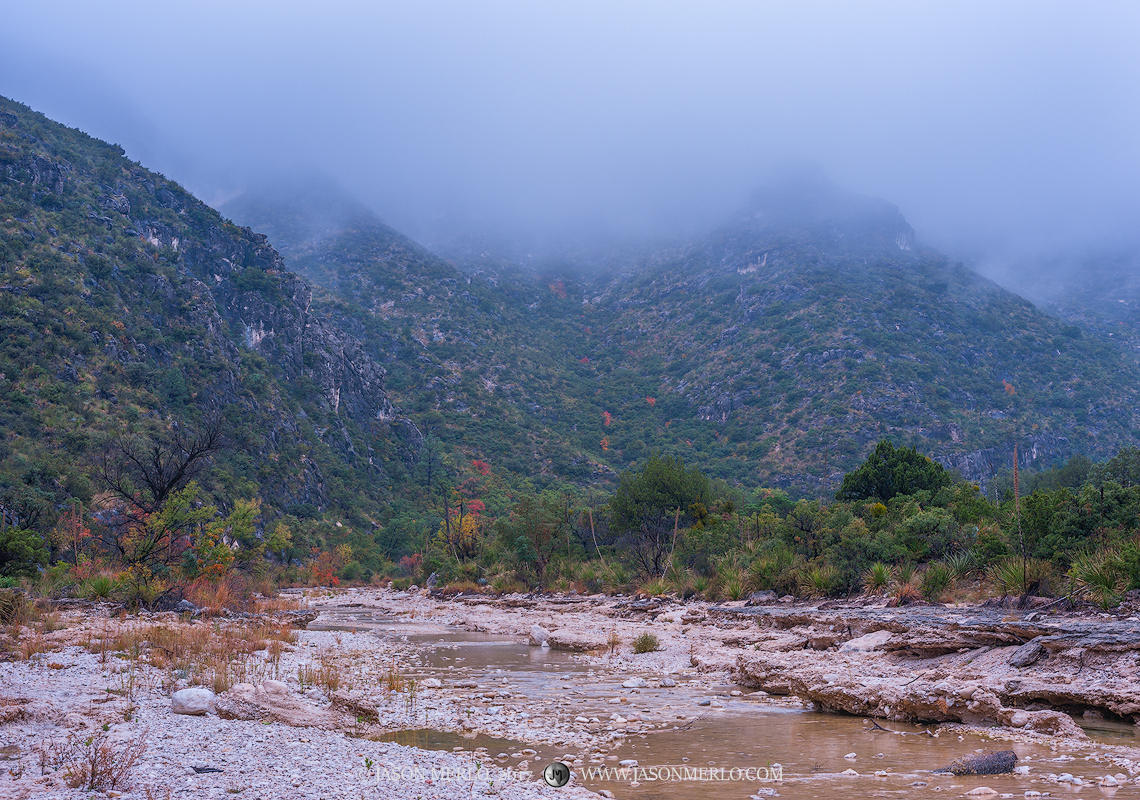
[{"x": 745, "y": 733}]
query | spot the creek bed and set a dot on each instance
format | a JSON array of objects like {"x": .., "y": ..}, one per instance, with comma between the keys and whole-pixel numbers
[{"x": 746, "y": 732}]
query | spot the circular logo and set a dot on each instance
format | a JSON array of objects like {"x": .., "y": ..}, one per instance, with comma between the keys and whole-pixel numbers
[{"x": 556, "y": 774}]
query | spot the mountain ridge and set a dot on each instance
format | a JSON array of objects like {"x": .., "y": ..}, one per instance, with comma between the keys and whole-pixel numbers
[{"x": 813, "y": 326}]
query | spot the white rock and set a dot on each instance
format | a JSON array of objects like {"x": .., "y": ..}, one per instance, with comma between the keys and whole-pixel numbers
[
  {"x": 850, "y": 756},
  {"x": 629, "y": 762},
  {"x": 1108, "y": 780},
  {"x": 849, "y": 772},
  {"x": 538, "y": 635},
  {"x": 635, "y": 683},
  {"x": 1019, "y": 719},
  {"x": 275, "y": 687},
  {"x": 981, "y": 791},
  {"x": 581, "y": 719},
  {"x": 865, "y": 644},
  {"x": 1032, "y": 793},
  {"x": 432, "y": 683},
  {"x": 668, "y": 682},
  {"x": 194, "y": 701}
]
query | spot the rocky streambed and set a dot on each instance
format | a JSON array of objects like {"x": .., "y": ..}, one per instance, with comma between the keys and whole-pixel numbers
[{"x": 493, "y": 689}]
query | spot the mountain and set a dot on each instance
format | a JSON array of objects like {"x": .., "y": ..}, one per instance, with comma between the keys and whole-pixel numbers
[
  {"x": 1099, "y": 290},
  {"x": 774, "y": 351},
  {"x": 130, "y": 308}
]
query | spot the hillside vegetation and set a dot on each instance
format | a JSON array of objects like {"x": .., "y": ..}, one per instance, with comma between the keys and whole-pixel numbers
[{"x": 184, "y": 414}]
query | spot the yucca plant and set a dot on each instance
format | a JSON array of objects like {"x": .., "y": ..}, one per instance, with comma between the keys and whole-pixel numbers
[
  {"x": 904, "y": 572},
  {"x": 877, "y": 577},
  {"x": 1021, "y": 576},
  {"x": 1100, "y": 574},
  {"x": 732, "y": 586},
  {"x": 99, "y": 587},
  {"x": 906, "y": 593},
  {"x": 615, "y": 578},
  {"x": 655, "y": 587},
  {"x": 820, "y": 580},
  {"x": 700, "y": 585},
  {"x": 961, "y": 563},
  {"x": 770, "y": 570},
  {"x": 646, "y": 643}
]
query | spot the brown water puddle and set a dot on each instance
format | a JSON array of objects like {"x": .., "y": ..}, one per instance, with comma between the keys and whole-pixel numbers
[
  {"x": 810, "y": 749},
  {"x": 743, "y": 734},
  {"x": 429, "y": 739}
]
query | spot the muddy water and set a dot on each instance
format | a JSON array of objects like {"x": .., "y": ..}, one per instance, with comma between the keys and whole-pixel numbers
[{"x": 744, "y": 733}]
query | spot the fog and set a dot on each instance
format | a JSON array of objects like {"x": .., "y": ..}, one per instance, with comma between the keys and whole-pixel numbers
[{"x": 1002, "y": 131}]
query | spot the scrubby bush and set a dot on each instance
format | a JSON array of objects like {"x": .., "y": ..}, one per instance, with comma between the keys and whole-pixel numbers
[{"x": 646, "y": 643}]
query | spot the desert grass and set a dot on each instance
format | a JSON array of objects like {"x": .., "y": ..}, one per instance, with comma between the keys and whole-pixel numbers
[{"x": 213, "y": 654}]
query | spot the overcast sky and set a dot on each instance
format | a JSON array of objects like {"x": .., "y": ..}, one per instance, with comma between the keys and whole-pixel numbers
[{"x": 991, "y": 125}]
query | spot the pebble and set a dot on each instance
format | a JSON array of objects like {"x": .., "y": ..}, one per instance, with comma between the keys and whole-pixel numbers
[
  {"x": 850, "y": 772},
  {"x": 850, "y": 756},
  {"x": 635, "y": 683},
  {"x": 705, "y": 702}
]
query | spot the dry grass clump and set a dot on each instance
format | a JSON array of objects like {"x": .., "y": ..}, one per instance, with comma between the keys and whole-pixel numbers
[
  {"x": 238, "y": 592},
  {"x": 93, "y": 763},
  {"x": 393, "y": 681},
  {"x": 211, "y": 654},
  {"x": 325, "y": 673}
]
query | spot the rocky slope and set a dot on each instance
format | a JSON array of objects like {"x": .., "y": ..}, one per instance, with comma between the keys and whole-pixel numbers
[
  {"x": 774, "y": 351},
  {"x": 129, "y": 305}
]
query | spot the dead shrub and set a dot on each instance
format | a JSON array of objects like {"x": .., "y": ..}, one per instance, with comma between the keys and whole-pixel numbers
[{"x": 94, "y": 763}]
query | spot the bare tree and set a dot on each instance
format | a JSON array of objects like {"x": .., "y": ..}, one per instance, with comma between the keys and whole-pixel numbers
[{"x": 145, "y": 472}]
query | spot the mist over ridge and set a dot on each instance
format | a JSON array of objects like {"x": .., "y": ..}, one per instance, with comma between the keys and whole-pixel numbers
[{"x": 1002, "y": 133}]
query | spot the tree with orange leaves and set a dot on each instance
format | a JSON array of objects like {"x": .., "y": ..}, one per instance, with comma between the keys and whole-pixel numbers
[{"x": 71, "y": 533}]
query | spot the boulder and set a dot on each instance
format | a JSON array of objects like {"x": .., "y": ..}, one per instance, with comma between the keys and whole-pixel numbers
[
  {"x": 761, "y": 598},
  {"x": 1029, "y": 653},
  {"x": 194, "y": 701},
  {"x": 538, "y": 636},
  {"x": 575, "y": 641},
  {"x": 983, "y": 764}
]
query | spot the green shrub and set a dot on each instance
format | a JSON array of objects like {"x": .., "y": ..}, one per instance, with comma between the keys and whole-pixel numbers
[
  {"x": 21, "y": 552},
  {"x": 936, "y": 580},
  {"x": 646, "y": 643}
]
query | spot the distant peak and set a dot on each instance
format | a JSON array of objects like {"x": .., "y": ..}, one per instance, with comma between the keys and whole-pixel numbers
[{"x": 804, "y": 197}]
